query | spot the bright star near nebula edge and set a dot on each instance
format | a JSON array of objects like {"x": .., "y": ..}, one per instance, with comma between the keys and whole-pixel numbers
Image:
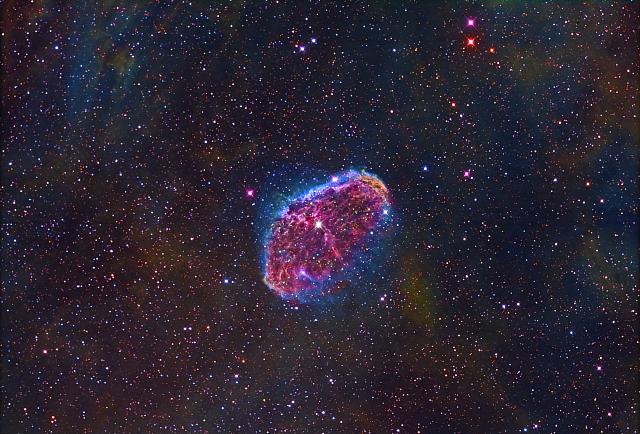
[{"x": 329, "y": 217}]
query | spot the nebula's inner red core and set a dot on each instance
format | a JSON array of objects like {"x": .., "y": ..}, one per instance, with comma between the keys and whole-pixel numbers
[{"x": 319, "y": 234}]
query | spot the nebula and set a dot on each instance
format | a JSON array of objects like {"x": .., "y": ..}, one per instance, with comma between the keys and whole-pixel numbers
[{"x": 318, "y": 236}]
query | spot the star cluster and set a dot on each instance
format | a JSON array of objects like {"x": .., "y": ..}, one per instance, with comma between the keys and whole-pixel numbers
[{"x": 143, "y": 142}]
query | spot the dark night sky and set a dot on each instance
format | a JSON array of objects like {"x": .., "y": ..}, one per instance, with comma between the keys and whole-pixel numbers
[{"x": 505, "y": 300}]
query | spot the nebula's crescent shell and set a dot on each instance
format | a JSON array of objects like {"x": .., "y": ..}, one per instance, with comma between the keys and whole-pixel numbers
[{"x": 318, "y": 235}]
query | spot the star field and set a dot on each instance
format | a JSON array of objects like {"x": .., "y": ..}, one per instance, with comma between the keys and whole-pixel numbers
[{"x": 145, "y": 146}]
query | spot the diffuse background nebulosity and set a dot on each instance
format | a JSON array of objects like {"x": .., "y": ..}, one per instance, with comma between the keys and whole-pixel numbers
[{"x": 141, "y": 142}]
